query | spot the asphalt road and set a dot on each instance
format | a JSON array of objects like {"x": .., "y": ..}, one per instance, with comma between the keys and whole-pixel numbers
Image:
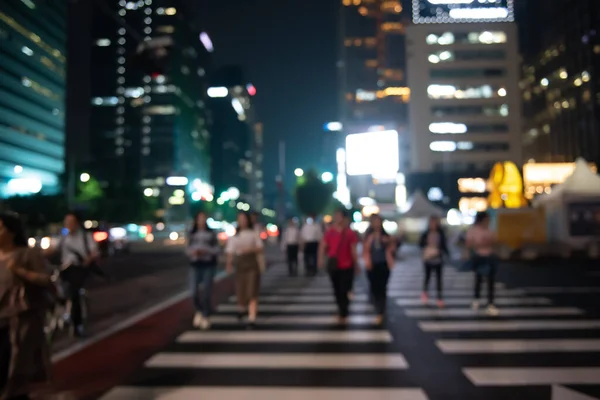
[{"x": 149, "y": 275}]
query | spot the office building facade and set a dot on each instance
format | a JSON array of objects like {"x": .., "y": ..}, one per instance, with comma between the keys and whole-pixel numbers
[
  {"x": 149, "y": 119},
  {"x": 465, "y": 109},
  {"x": 560, "y": 85},
  {"x": 32, "y": 96}
]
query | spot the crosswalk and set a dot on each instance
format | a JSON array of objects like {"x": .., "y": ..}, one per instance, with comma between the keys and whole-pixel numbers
[
  {"x": 536, "y": 348},
  {"x": 532, "y": 343},
  {"x": 297, "y": 351}
]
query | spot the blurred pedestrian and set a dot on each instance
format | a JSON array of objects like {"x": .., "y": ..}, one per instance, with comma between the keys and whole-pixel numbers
[
  {"x": 310, "y": 236},
  {"x": 378, "y": 255},
  {"x": 480, "y": 241},
  {"x": 434, "y": 245},
  {"x": 290, "y": 244},
  {"x": 203, "y": 250},
  {"x": 339, "y": 245},
  {"x": 244, "y": 249},
  {"x": 25, "y": 285}
]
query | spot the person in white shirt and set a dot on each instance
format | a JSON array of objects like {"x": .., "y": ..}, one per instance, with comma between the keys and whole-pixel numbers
[
  {"x": 79, "y": 256},
  {"x": 310, "y": 237},
  {"x": 291, "y": 243},
  {"x": 245, "y": 248}
]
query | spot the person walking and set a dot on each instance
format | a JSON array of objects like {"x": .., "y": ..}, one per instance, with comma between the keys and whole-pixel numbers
[
  {"x": 434, "y": 245},
  {"x": 310, "y": 236},
  {"x": 245, "y": 248},
  {"x": 290, "y": 244},
  {"x": 203, "y": 250},
  {"x": 25, "y": 285},
  {"x": 378, "y": 255},
  {"x": 480, "y": 242},
  {"x": 339, "y": 245}
]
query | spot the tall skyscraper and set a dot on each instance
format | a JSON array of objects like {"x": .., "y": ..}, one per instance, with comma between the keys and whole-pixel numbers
[
  {"x": 148, "y": 119},
  {"x": 463, "y": 72},
  {"x": 32, "y": 96},
  {"x": 560, "y": 85},
  {"x": 372, "y": 81}
]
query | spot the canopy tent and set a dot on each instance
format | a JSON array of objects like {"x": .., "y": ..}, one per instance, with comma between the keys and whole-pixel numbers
[
  {"x": 419, "y": 207},
  {"x": 582, "y": 183}
]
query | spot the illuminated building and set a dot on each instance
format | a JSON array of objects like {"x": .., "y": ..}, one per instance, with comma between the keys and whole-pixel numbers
[
  {"x": 463, "y": 72},
  {"x": 237, "y": 145},
  {"x": 147, "y": 121},
  {"x": 371, "y": 68},
  {"x": 32, "y": 94},
  {"x": 560, "y": 83}
]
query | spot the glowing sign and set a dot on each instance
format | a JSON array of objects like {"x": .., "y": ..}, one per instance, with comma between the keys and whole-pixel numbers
[
  {"x": 452, "y": 11},
  {"x": 215, "y": 92},
  {"x": 373, "y": 153},
  {"x": 333, "y": 126},
  {"x": 251, "y": 89}
]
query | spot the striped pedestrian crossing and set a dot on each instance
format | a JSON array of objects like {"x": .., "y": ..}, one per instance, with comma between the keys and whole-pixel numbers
[
  {"x": 532, "y": 342},
  {"x": 296, "y": 351}
]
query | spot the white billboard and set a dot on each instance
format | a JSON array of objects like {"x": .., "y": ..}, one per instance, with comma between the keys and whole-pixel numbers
[{"x": 372, "y": 153}]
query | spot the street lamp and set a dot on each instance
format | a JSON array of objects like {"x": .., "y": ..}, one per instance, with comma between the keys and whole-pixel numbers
[
  {"x": 298, "y": 172},
  {"x": 85, "y": 177},
  {"x": 326, "y": 177}
]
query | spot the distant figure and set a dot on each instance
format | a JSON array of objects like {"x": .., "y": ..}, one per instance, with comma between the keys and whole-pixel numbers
[
  {"x": 480, "y": 242},
  {"x": 290, "y": 244},
  {"x": 378, "y": 254},
  {"x": 434, "y": 245},
  {"x": 310, "y": 236},
  {"x": 339, "y": 246}
]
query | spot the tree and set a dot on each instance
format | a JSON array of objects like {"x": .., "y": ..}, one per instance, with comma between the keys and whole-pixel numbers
[{"x": 312, "y": 195}]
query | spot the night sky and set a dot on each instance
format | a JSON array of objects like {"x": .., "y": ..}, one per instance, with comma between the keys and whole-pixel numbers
[{"x": 288, "y": 49}]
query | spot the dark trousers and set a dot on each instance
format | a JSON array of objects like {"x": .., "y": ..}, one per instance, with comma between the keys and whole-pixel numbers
[
  {"x": 378, "y": 279},
  {"x": 292, "y": 259},
  {"x": 310, "y": 257},
  {"x": 341, "y": 281},
  {"x": 75, "y": 277},
  {"x": 437, "y": 269},
  {"x": 202, "y": 275},
  {"x": 489, "y": 265}
]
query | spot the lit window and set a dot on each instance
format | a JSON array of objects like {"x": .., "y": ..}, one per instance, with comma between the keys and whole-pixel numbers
[
  {"x": 121, "y": 60},
  {"x": 171, "y": 11},
  {"x": 122, "y": 12},
  {"x": 103, "y": 42},
  {"x": 463, "y": 92},
  {"x": 545, "y": 82},
  {"x": 563, "y": 73},
  {"x": 442, "y": 146},
  {"x": 148, "y": 11},
  {"x": 131, "y": 5},
  {"x": 26, "y": 50},
  {"x": 585, "y": 76},
  {"x": 165, "y": 29},
  {"x": 160, "y": 110},
  {"x": 148, "y": 21},
  {"x": 122, "y": 41},
  {"x": 160, "y": 11},
  {"x": 121, "y": 70},
  {"x": 502, "y": 92},
  {"x": 147, "y": 30},
  {"x": 119, "y": 151},
  {"x": 442, "y": 128},
  {"x": 105, "y": 101},
  {"x": 393, "y": 27},
  {"x": 120, "y": 80},
  {"x": 444, "y": 39}
]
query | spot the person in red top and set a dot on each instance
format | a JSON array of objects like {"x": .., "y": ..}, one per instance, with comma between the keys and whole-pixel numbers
[{"x": 339, "y": 246}]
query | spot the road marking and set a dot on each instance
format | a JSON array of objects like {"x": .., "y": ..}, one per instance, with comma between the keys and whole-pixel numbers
[
  {"x": 504, "y": 326},
  {"x": 296, "y": 320},
  {"x": 271, "y": 393},
  {"x": 281, "y": 360},
  {"x": 508, "y": 312},
  {"x": 485, "y": 346},
  {"x": 563, "y": 393},
  {"x": 307, "y": 298},
  {"x": 359, "y": 307},
  {"x": 455, "y": 293},
  {"x": 503, "y": 301},
  {"x": 491, "y": 376},
  {"x": 287, "y": 337},
  {"x": 560, "y": 289}
]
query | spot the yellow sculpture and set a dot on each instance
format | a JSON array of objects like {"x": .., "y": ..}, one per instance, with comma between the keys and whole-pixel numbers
[{"x": 506, "y": 186}]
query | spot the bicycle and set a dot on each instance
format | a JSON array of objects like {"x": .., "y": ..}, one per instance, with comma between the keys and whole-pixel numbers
[{"x": 58, "y": 318}]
